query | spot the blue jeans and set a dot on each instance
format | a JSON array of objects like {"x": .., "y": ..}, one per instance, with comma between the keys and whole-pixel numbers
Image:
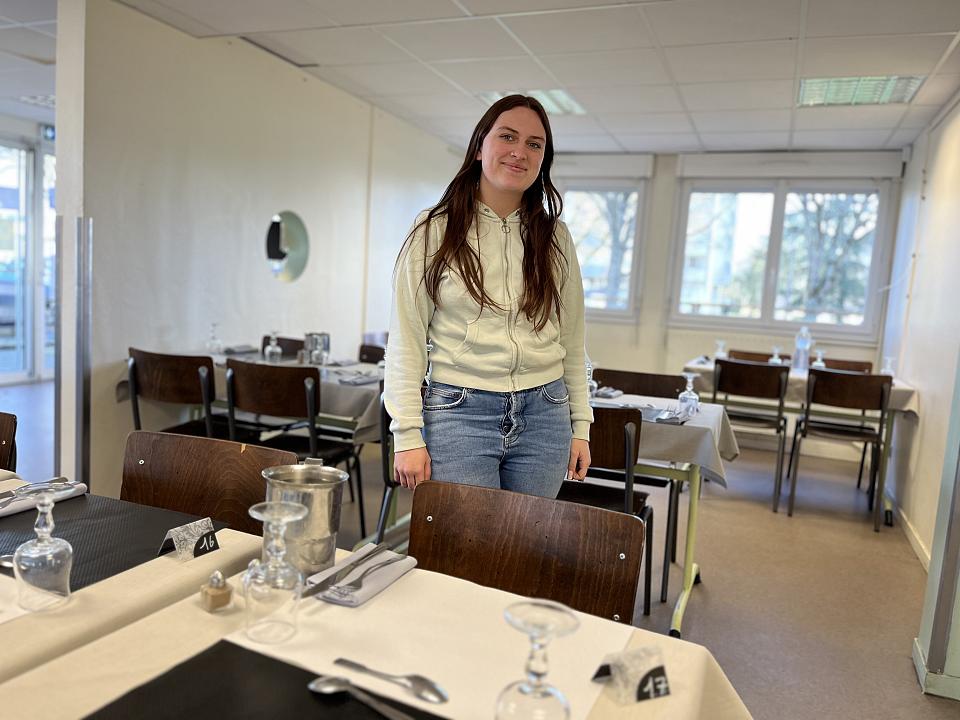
[{"x": 517, "y": 441}]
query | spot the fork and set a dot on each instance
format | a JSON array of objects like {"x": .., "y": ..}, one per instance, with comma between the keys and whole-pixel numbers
[{"x": 357, "y": 583}]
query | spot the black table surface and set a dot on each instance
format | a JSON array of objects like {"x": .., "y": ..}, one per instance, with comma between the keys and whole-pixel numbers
[{"x": 108, "y": 536}]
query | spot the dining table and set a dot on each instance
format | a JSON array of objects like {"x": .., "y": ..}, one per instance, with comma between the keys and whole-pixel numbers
[
  {"x": 182, "y": 661},
  {"x": 117, "y": 576},
  {"x": 684, "y": 452}
]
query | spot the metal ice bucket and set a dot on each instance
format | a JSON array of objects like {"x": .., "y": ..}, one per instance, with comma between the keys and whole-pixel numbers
[{"x": 311, "y": 542}]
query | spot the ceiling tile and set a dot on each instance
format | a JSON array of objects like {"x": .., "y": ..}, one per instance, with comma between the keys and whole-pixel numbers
[
  {"x": 952, "y": 64},
  {"x": 891, "y": 55},
  {"x": 919, "y": 116},
  {"x": 33, "y": 80},
  {"x": 175, "y": 18},
  {"x": 371, "y": 12},
  {"x": 24, "y": 11},
  {"x": 621, "y": 67},
  {"x": 332, "y": 46},
  {"x": 715, "y": 21},
  {"x": 587, "y": 143},
  {"x": 849, "y": 117},
  {"x": 29, "y": 45},
  {"x": 455, "y": 40},
  {"x": 903, "y": 137},
  {"x": 881, "y": 17},
  {"x": 501, "y": 75},
  {"x": 751, "y": 141},
  {"x": 660, "y": 142},
  {"x": 937, "y": 90},
  {"x": 27, "y": 111},
  {"x": 839, "y": 139},
  {"x": 574, "y": 125},
  {"x": 47, "y": 28},
  {"x": 9, "y": 63},
  {"x": 636, "y": 123},
  {"x": 617, "y": 28},
  {"x": 242, "y": 17},
  {"x": 393, "y": 79},
  {"x": 748, "y": 95},
  {"x": 742, "y": 120},
  {"x": 638, "y": 98},
  {"x": 738, "y": 61},
  {"x": 334, "y": 77},
  {"x": 451, "y": 104},
  {"x": 496, "y": 7}
]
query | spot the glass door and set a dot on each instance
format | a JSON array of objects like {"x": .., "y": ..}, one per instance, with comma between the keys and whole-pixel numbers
[
  {"x": 15, "y": 300},
  {"x": 46, "y": 283}
]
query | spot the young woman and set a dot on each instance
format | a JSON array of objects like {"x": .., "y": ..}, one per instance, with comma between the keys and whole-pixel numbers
[{"x": 488, "y": 295}]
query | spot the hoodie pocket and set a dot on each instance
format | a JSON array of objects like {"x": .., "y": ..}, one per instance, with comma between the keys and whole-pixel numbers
[{"x": 469, "y": 340}]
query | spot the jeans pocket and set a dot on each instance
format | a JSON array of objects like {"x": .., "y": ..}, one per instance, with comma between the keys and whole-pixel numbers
[
  {"x": 443, "y": 397},
  {"x": 556, "y": 392}
]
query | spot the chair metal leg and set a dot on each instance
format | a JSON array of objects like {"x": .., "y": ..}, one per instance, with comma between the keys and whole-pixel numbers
[
  {"x": 794, "y": 468},
  {"x": 388, "y": 492},
  {"x": 863, "y": 459},
  {"x": 778, "y": 480},
  {"x": 669, "y": 541},
  {"x": 647, "y": 516},
  {"x": 359, "y": 476},
  {"x": 350, "y": 483},
  {"x": 676, "y": 513}
]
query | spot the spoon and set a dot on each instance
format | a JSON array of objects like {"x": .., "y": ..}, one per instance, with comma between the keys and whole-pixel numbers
[
  {"x": 329, "y": 685},
  {"x": 6, "y": 561},
  {"x": 422, "y": 688}
]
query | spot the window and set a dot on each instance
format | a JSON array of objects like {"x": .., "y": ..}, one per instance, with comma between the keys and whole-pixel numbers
[
  {"x": 781, "y": 256},
  {"x": 603, "y": 222}
]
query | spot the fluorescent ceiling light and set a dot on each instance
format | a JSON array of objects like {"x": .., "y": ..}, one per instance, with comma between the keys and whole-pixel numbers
[
  {"x": 876, "y": 90},
  {"x": 555, "y": 102},
  {"x": 47, "y": 101}
]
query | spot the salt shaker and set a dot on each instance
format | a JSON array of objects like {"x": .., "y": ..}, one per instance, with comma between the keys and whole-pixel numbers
[{"x": 216, "y": 593}]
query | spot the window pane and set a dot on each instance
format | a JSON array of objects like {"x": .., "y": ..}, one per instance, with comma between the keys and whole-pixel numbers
[
  {"x": 725, "y": 253},
  {"x": 603, "y": 224},
  {"x": 825, "y": 259},
  {"x": 49, "y": 260},
  {"x": 13, "y": 253}
]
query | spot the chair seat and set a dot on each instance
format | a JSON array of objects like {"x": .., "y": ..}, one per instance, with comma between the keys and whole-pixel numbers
[
  {"x": 602, "y": 496},
  {"x": 842, "y": 431},
  {"x": 332, "y": 453},
  {"x": 758, "y": 419}
]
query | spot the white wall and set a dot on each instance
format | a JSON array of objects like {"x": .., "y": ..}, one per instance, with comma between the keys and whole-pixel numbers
[
  {"x": 923, "y": 326},
  {"x": 190, "y": 147}
]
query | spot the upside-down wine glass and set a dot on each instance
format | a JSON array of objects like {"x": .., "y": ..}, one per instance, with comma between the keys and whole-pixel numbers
[
  {"x": 272, "y": 587},
  {"x": 42, "y": 566},
  {"x": 818, "y": 363},
  {"x": 273, "y": 353},
  {"x": 542, "y": 621},
  {"x": 775, "y": 359},
  {"x": 689, "y": 401},
  {"x": 721, "y": 352},
  {"x": 214, "y": 345}
]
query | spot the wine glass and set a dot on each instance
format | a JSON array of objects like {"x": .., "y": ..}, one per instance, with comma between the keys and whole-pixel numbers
[
  {"x": 887, "y": 368},
  {"x": 272, "y": 587},
  {"x": 721, "y": 352},
  {"x": 214, "y": 345},
  {"x": 689, "y": 401},
  {"x": 42, "y": 566},
  {"x": 273, "y": 353},
  {"x": 775, "y": 359},
  {"x": 542, "y": 621},
  {"x": 818, "y": 363}
]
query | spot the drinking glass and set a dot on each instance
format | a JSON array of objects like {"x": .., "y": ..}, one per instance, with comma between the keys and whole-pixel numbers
[
  {"x": 592, "y": 385},
  {"x": 689, "y": 401},
  {"x": 818, "y": 363},
  {"x": 542, "y": 621},
  {"x": 272, "y": 353},
  {"x": 272, "y": 587},
  {"x": 721, "y": 351},
  {"x": 42, "y": 566},
  {"x": 887, "y": 368},
  {"x": 214, "y": 345},
  {"x": 775, "y": 359}
]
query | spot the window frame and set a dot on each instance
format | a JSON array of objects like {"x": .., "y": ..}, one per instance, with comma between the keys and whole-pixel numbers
[
  {"x": 629, "y": 313},
  {"x": 866, "y": 334}
]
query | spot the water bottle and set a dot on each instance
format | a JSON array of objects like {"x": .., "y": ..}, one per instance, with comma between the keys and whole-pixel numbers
[
  {"x": 592, "y": 385},
  {"x": 801, "y": 353}
]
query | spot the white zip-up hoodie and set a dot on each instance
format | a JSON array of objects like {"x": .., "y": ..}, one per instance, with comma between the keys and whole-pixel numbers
[{"x": 496, "y": 350}]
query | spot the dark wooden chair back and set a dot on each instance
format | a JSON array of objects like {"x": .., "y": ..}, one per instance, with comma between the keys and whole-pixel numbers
[
  {"x": 585, "y": 557},
  {"x": 184, "y": 379},
  {"x": 759, "y": 357},
  {"x": 202, "y": 476},
  {"x": 288, "y": 346},
  {"x": 8, "y": 442},
  {"x": 377, "y": 337},
  {"x": 640, "y": 383},
  {"x": 608, "y": 448},
  {"x": 852, "y": 390},
  {"x": 279, "y": 390},
  {"x": 750, "y": 379},
  {"x": 860, "y": 366},
  {"x": 371, "y": 353}
]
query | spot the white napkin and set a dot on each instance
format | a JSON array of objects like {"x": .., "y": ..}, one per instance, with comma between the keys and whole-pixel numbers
[
  {"x": 29, "y": 503},
  {"x": 384, "y": 569}
]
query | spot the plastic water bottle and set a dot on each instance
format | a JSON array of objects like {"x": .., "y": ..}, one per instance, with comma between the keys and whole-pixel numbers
[{"x": 801, "y": 353}]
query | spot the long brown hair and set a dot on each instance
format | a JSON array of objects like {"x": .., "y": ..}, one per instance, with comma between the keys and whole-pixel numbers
[{"x": 540, "y": 207}]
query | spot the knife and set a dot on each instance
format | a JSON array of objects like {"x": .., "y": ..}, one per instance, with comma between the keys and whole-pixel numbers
[{"x": 342, "y": 573}]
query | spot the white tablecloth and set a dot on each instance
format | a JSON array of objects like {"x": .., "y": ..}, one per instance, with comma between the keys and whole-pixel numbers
[
  {"x": 33, "y": 639},
  {"x": 426, "y": 623}
]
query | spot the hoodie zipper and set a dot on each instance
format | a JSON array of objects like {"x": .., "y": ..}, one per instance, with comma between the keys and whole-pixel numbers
[{"x": 515, "y": 355}]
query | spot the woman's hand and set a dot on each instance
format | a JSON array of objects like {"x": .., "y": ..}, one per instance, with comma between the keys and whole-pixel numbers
[
  {"x": 412, "y": 467},
  {"x": 579, "y": 459}
]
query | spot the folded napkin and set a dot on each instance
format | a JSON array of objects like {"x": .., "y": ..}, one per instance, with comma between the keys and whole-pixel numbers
[
  {"x": 29, "y": 503},
  {"x": 359, "y": 379},
  {"x": 374, "y": 576},
  {"x": 608, "y": 392},
  {"x": 240, "y": 349}
]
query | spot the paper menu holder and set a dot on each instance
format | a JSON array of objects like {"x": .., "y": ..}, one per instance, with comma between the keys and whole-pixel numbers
[{"x": 190, "y": 540}]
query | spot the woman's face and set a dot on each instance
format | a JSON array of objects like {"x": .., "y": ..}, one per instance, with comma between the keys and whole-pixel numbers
[{"x": 512, "y": 152}]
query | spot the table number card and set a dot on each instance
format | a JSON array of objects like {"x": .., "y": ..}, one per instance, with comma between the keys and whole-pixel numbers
[
  {"x": 634, "y": 675},
  {"x": 191, "y": 540}
]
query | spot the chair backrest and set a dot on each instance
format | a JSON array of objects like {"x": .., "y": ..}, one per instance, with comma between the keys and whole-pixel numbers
[
  {"x": 750, "y": 379},
  {"x": 279, "y": 390},
  {"x": 371, "y": 353},
  {"x": 608, "y": 438},
  {"x": 210, "y": 478},
  {"x": 861, "y": 366},
  {"x": 640, "y": 383},
  {"x": 852, "y": 390},
  {"x": 288, "y": 346},
  {"x": 751, "y": 356},
  {"x": 583, "y": 556},
  {"x": 377, "y": 337},
  {"x": 167, "y": 378},
  {"x": 8, "y": 441}
]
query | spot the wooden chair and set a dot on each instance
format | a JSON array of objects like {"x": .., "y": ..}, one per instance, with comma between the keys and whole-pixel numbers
[
  {"x": 371, "y": 353},
  {"x": 8, "y": 442},
  {"x": 386, "y": 467},
  {"x": 861, "y": 366},
  {"x": 285, "y": 391},
  {"x": 743, "y": 379},
  {"x": 582, "y": 556},
  {"x": 289, "y": 347},
  {"x": 852, "y": 391},
  {"x": 202, "y": 476},
  {"x": 758, "y": 357},
  {"x": 640, "y": 383},
  {"x": 376, "y": 337},
  {"x": 615, "y": 445},
  {"x": 180, "y": 379}
]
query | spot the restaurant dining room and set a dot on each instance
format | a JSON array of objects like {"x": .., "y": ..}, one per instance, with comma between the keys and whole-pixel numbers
[{"x": 470, "y": 359}]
